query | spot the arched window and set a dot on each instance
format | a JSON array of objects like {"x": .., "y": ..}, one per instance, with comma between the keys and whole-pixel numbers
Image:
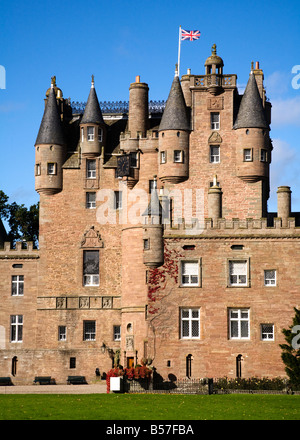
[
  {"x": 239, "y": 366},
  {"x": 188, "y": 361},
  {"x": 14, "y": 365}
]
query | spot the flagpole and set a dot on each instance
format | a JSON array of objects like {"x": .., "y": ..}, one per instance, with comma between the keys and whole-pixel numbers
[{"x": 179, "y": 47}]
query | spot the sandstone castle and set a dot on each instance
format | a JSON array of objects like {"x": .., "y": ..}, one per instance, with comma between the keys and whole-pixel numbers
[{"x": 155, "y": 238}]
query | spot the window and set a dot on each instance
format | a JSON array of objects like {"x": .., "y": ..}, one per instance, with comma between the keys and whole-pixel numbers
[
  {"x": 146, "y": 244},
  {"x": 133, "y": 160},
  {"x": 215, "y": 121},
  {"x": 90, "y": 200},
  {"x": 190, "y": 273},
  {"x": 62, "y": 333},
  {"x": 238, "y": 273},
  {"x": 263, "y": 155},
  {"x": 163, "y": 157},
  {"x": 72, "y": 362},
  {"x": 17, "y": 285},
  {"x": 178, "y": 156},
  {"x": 118, "y": 200},
  {"x": 51, "y": 168},
  {"x": 270, "y": 278},
  {"x": 89, "y": 330},
  {"x": 38, "y": 169},
  {"x": 91, "y": 169},
  {"x": 190, "y": 323},
  {"x": 82, "y": 134},
  {"x": 117, "y": 332},
  {"x": 91, "y": 268},
  {"x": 90, "y": 133},
  {"x": 247, "y": 155},
  {"x": 239, "y": 324},
  {"x": 267, "y": 332},
  {"x": 215, "y": 153},
  {"x": 16, "y": 328},
  {"x": 100, "y": 134}
]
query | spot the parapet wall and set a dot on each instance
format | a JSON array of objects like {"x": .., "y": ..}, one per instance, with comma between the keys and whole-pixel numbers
[
  {"x": 234, "y": 227},
  {"x": 21, "y": 251}
]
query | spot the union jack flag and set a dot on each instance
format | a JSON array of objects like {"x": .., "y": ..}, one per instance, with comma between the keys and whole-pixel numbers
[{"x": 190, "y": 35}]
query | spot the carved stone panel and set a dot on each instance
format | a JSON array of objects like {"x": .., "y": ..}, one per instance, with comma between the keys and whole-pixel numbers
[
  {"x": 91, "y": 239},
  {"x": 215, "y": 103}
]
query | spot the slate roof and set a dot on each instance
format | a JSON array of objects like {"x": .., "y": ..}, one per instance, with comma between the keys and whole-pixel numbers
[
  {"x": 51, "y": 131},
  {"x": 251, "y": 111},
  {"x": 175, "y": 113},
  {"x": 92, "y": 112}
]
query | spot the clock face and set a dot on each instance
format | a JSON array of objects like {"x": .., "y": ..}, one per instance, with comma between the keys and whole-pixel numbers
[{"x": 123, "y": 167}]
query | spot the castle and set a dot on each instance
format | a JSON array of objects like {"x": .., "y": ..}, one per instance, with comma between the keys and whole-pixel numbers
[{"x": 155, "y": 238}]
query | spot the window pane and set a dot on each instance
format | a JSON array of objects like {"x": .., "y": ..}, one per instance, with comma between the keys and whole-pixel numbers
[
  {"x": 244, "y": 329},
  {"x": 185, "y": 328},
  {"x": 195, "y": 329},
  {"x": 234, "y": 329},
  {"x": 91, "y": 262},
  {"x": 185, "y": 313}
]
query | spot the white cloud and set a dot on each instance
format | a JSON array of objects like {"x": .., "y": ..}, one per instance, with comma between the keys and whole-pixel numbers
[
  {"x": 284, "y": 171},
  {"x": 286, "y": 112}
]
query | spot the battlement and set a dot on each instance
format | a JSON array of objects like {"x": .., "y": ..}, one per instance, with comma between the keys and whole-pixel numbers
[
  {"x": 19, "y": 252},
  {"x": 234, "y": 228}
]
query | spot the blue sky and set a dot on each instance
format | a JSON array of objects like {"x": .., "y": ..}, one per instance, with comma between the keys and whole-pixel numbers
[{"x": 117, "y": 40}]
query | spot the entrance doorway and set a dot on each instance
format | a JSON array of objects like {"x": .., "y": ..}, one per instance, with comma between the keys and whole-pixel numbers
[{"x": 130, "y": 362}]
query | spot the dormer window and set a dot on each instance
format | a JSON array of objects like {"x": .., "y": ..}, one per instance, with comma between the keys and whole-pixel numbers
[
  {"x": 90, "y": 133},
  {"x": 215, "y": 121}
]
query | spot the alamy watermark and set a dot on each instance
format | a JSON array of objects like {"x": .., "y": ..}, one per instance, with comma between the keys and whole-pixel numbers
[
  {"x": 2, "y": 77},
  {"x": 296, "y": 78},
  {"x": 295, "y": 343},
  {"x": 167, "y": 207}
]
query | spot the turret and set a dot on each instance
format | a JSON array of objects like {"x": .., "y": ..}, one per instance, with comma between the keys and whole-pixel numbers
[
  {"x": 92, "y": 126},
  {"x": 254, "y": 144},
  {"x": 49, "y": 148},
  {"x": 215, "y": 202},
  {"x": 284, "y": 204},
  {"x": 174, "y": 131},
  {"x": 153, "y": 233},
  {"x": 214, "y": 71},
  {"x": 138, "y": 109}
]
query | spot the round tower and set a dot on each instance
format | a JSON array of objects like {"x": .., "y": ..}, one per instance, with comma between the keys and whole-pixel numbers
[
  {"x": 92, "y": 126},
  {"x": 153, "y": 243},
  {"x": 49, "y": 148},
  {"x": 138, "y": 109},
  {"x": 174, "y": 131},
  {"x": 215, "y": 201},
  {"x": 254, "y": 144}
]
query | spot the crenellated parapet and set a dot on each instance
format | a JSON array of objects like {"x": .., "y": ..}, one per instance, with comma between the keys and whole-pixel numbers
[
  {"x": 239, "y": 228},
  {"x": 20, "y": 251}
]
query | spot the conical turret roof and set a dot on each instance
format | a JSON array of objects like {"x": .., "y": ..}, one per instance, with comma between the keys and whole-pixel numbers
[
  {"x": 92, "y": 113},
  {"x": 154, "y": 207},
  {"x": 51, "y": 131},
  {"x": 251, "y": 112},
  {"x": 175, "y": 113}
]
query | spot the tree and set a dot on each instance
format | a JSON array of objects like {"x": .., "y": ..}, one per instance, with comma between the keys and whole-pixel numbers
[
  {"x": 23, "y": 222},
  {"x": 291, "y": 350}
]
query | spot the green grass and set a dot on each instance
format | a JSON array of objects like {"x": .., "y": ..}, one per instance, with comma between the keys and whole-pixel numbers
[{"x": 148, "y": 407}]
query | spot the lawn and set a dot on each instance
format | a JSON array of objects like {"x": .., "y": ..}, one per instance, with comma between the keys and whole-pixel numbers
[{"x": 149, "y": 407}]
